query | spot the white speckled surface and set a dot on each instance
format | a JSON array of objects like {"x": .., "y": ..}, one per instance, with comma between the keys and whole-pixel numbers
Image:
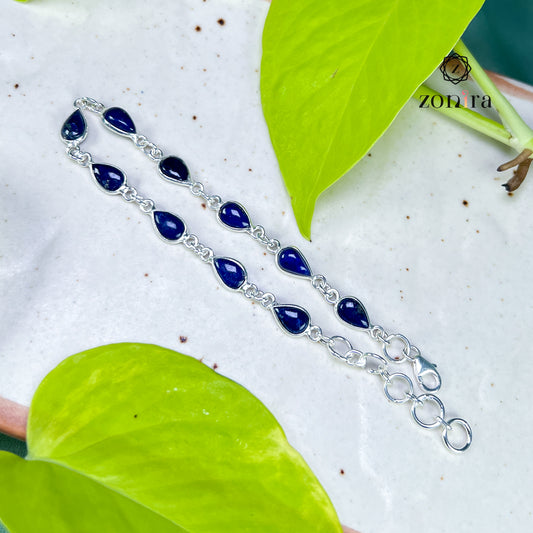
[{"x": 79, "y": 269}]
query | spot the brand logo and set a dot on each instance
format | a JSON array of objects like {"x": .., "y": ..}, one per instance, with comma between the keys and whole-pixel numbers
[
  {"x": 455, "y": 69},
  {"x": 454, "y": 100}
]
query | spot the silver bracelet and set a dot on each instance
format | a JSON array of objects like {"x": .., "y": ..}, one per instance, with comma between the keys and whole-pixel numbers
[{"x": 293, "y": 319}]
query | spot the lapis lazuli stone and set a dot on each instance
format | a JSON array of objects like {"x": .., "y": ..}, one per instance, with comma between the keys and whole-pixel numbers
[
  {"x": 351, "y": 310},
  {"x": 120, "y": 120},
  {"x": 174, "y": 169},
  {"x": 234, "y": 216},
  {"x": 169, "y": 226},
  {"x": 108, "y": 177},
  {"x": 291, "y": 260},
  {"x": 230, "y": 272},
  {"x": 74, "y": 127},
  {"x": 292, "y": 318}
]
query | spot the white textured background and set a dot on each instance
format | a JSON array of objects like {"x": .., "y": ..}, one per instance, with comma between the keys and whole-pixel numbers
[{"x": 80, "y": 269}]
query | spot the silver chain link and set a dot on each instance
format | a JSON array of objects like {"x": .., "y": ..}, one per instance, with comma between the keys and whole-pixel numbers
[
  {"x": 252, "y": 292},
  {"x": 82, "y": 158},
  {"x": 148, "y": 148},
  {"x": 90, "y": 104},
  {"x": 130, "y": 194},
  {"x": 330, "y": 294},
  {"x": 192, "y": 243},
  {"x": 258, "y": 233}
]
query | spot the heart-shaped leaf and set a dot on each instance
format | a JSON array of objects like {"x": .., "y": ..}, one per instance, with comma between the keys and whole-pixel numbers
[
  {"x": 137, "y": 438},
  {"x": 335, "y": 74}
]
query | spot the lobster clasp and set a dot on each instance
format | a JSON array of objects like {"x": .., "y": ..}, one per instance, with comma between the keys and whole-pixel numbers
[{"x": 426, "y": 374}]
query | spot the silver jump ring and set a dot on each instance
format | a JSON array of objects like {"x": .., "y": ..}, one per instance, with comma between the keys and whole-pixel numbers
[
  {"x": 406, "y": 350},
  {"x": 334, "y": 351},
  {"x": 401, "y": 377},
  {"x": 468, "y": 432},
  {"x": 431, "y": 398}
]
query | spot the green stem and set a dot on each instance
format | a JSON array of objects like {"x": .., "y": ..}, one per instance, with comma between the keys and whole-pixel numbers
[
  {"x": 522, "y": 135},
  {"x": 474, "y": 120}
]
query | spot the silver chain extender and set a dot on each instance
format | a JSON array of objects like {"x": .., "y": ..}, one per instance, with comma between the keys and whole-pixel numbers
[{"x": 395, "y": 347}]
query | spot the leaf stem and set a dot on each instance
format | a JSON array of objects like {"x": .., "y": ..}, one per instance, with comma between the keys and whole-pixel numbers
[
  {"x": 522, "y": 134},
  {"x": 13, "y": 419},
  {"x": 470, "y": 118}
]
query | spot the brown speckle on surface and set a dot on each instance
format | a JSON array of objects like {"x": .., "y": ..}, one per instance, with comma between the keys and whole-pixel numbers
[
  {"x": 194, "y": 117},
  {"x": 183, "y": 339},
  {"x": 146, "y": 275},
  {"x": 16, "y": 85},
  {"x": 204, "y": 69},
  {"x": 407, "y": 217},
  {"x": 442, "y": 478},
  {"x": 369, "y": 154},
  {"x": 221, "y": 22},
  {"x": 407, "y": 269},
  {"x": 465, "y": 203},
  {"x": 459, "y": 155},
  {"x": 215, "y": 366},
  {"x": 204, "y": 206},
  {"x": 264, "y": 253},
  {"x": 249, "y": 170},
  {"x": 198, "y": 28},
  {"x": 510, "y": 194},
  {"x": 342, "y": 472},
  {"x": 477, "y": 231}
]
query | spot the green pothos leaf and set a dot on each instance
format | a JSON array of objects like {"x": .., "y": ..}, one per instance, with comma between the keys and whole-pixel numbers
[
  {"x": 137, "y": 438},
  {"x": 335, "y": 74}
]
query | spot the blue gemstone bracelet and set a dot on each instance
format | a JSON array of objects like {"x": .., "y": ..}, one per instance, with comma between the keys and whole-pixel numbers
[{"x": 293, "y": 319}]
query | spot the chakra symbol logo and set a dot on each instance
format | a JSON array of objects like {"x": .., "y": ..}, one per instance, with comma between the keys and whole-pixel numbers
[{"x": 455, "y": 68}]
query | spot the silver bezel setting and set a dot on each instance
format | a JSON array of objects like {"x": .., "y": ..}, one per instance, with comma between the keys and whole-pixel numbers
[
  {"x": 336, "y": 309},
  {"x": 282, "y": 327},
  {"x": 299, "y": 276},
  {"x": 97, "y": 183},
  {"x": 185, "y": 183},
  {"x": 164, "y": 239},
  {"x": 113, "y": 128},
  {"x": 231, "y": 228},
  {"x": 217, "y": 275},
  {"x": 75, "y": 142}
]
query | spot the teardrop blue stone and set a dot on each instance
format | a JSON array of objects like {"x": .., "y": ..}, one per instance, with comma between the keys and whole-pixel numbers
[
  {"x": 169, "y": 226},
  {"x": 174, "y": 169},
  {"x": 234, "y": 216},
  {"x": 291, "y": 260},
  {"x": 351, "y": 310},
  {"x": 109, "y": 178},
  {"x": 74, "y": 127},
  {"x": 292, "y": 318},
  {"x": 230, "y": 272},
  {"x": 119, "y": 120}
]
